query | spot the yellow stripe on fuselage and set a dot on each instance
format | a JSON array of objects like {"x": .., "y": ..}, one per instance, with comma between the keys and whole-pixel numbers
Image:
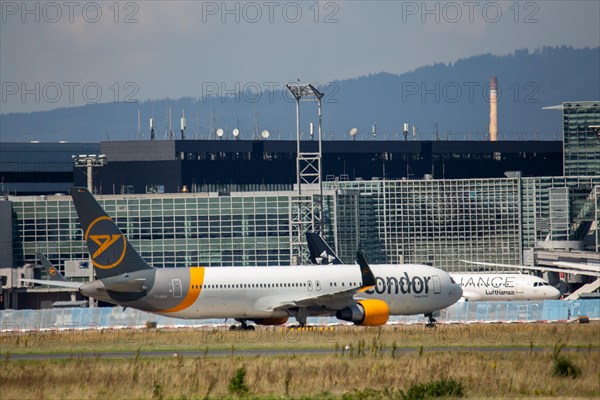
[{"x": 196, "y": 282}]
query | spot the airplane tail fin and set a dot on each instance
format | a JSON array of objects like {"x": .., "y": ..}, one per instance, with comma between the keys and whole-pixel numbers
[
  {"x": 320, "y": 252},
  {"x": 53, "y": 273},
  {"x": 368, "y": 278},
  {"x": 110, "y": 251}
]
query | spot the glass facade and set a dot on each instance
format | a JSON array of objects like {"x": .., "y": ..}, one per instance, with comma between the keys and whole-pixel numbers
[
  {"x": 168, "y": 231},
  {"x": 581, "y": 143},
  {"x": 438, "y": 222},
  {"x": 441, "y": 222},
  {"x": 559, "y": 208}
]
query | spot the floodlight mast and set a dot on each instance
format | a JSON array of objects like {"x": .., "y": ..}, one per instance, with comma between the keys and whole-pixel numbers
[
  {"x": 307, "y": 211},
  {"x": 307, "y": 92},
  {"x": 89, "y": 161}
]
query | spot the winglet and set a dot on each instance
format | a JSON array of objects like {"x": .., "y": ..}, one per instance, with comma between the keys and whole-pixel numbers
[
  {"x": 368, "y": 279},
  {"x": 53, "y": 273}
]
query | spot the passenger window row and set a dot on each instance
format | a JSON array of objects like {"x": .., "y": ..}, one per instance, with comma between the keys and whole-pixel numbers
[{"x": 262, "y": 285}]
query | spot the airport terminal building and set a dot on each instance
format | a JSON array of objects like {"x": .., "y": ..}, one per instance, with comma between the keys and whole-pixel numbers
[{"x": 509, "y": 219}]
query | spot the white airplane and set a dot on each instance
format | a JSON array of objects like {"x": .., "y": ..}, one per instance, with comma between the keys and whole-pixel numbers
[
  {"x": 476, "y": 287},
  {"x": 263, "y": 295},
  {"x": 504, "y": 286}
]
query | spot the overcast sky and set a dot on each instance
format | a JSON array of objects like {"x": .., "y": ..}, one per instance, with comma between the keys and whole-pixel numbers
[{"x": 71, "y": 53}]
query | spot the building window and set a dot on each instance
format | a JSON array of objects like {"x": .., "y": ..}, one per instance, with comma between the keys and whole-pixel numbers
[
  {"x": 155, "y": 188},
  {"x": 127, "y": 189}
]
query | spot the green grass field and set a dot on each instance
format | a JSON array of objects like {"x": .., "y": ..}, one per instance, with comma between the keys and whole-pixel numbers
[{"x": 371, "y": 370}]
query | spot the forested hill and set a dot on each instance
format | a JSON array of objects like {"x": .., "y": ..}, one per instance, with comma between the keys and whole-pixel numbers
[{"x": 455, "y": 96}]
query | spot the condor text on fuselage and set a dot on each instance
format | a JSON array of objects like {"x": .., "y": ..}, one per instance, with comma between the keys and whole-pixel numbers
[{"x": 405, "y": 284}]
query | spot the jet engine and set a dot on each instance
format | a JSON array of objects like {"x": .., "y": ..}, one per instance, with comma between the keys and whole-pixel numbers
[
  {"x": 271, "y": 321},
  {"x": 368, "y": 312}
]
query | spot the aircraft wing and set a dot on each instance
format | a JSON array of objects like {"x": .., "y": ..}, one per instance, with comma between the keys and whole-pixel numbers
[
  {"x": 579, "y": 266},
  {"x": 67, "y": 284},
  {"x": 330, "y": 301},
  {"x": 536, "y": 268},
  {"x": 335, "y": 300}
]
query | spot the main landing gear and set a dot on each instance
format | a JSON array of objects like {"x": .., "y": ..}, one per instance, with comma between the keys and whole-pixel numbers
[
  {"x": 432, "y": 321},
  {"x": 301, "y": 318},
  {"x": 243, "y": 326},
  {"x": 301, "y": 315}
]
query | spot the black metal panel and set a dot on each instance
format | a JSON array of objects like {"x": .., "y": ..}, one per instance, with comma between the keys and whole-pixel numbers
[
  {"x": 139, "y": 150},
  {"x": 39, "y": 168},
  {"x": 167, "y": 150},
  {"x": 224, "y": 172},
  {"x": 113, "y": 177},
  {"x": 233, "y": 146},
  {"x": 224, "y": 162},
  {"x": 6, "y": 235},
  {"x": 499, "y": 146}
]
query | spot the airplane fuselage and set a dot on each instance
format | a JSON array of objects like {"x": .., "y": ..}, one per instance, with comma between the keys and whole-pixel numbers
[
  {"x": 502, "y": 287},
  {"x": 255, "y": 292}
]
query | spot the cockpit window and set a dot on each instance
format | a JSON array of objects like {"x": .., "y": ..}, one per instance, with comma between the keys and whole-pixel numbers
[{"x": 452, "y": 280}]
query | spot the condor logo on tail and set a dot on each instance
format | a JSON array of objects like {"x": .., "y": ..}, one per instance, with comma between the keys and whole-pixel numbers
[
  {"x": 107, "y": 248},
  {"x": 104, "y": 241}
]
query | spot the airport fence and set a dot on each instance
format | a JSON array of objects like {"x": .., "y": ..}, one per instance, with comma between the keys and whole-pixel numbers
[{"x": 464, "y": 312}]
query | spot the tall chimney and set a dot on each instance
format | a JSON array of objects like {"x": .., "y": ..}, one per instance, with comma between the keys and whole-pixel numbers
[{"x": 493, "y": 109}]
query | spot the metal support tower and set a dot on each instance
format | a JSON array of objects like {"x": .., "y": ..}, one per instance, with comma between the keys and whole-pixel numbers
[{"x": 306, "y": 210}]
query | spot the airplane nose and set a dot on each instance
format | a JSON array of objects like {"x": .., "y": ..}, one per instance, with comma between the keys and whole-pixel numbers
[
  {"x": 459, "y": 291},
  {"x": 555, "y": 293},
  {"x": 456, "y": 292}
]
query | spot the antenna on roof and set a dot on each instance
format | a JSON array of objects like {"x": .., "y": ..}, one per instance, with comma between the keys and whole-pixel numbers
[
  {"x": 197, "y": 135},
  {"x": 170, "y": 125},
  {"x": 152, "y": 135},
  {"x": 169, "y": 135},
  {"x": 353, "y": 133},
  {"x": 183, "y": 125},
  {"x": 139, "y": 131},
  {"x": 255, "y": 122}
]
